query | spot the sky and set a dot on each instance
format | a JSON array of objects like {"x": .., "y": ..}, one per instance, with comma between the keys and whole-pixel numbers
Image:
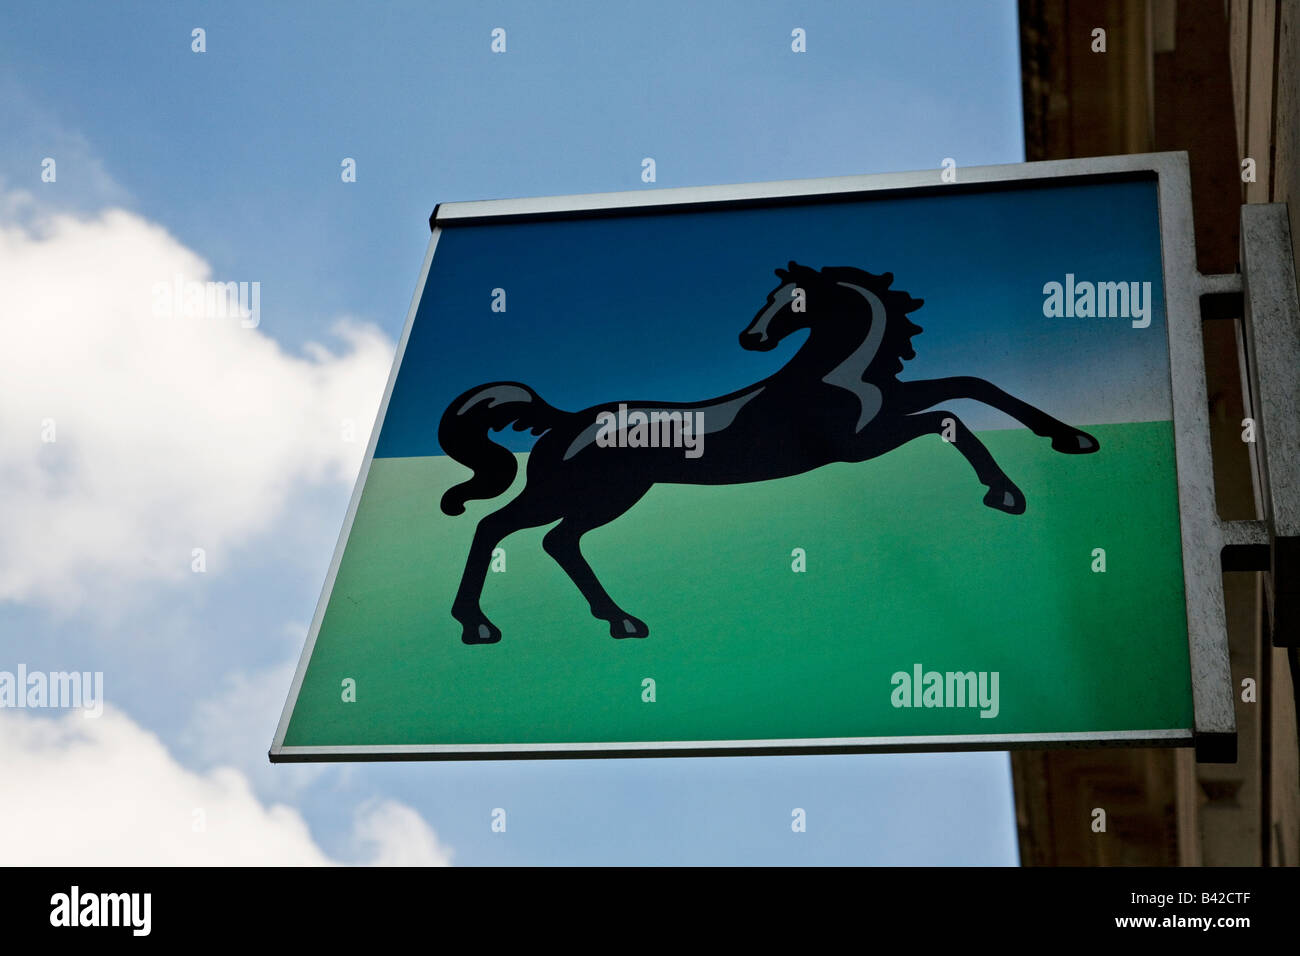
[{"x": 139, "y": 446}]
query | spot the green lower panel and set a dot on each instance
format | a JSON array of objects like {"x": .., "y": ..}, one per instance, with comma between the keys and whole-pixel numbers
[{"x": 905, "y": 566}]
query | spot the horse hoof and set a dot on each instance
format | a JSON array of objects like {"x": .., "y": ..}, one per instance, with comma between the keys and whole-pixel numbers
[
  {"x": 480, "y": 632},
  {"x": 1006, "y": 497},
  {"x": 628, "y": 626},
  {"x": 1075, "y": 442}
]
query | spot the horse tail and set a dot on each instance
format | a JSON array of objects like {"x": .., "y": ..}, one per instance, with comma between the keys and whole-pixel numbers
[{"x": 463, "y": 434}]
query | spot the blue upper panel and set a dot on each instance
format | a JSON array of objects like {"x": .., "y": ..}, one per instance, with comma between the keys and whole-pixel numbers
[{"x": 649, "y": 306}]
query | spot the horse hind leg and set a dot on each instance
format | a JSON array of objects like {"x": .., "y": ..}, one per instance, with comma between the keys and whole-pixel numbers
[
  {"x": 563, "y": 544},
  {"x": 518, "y": 514}
]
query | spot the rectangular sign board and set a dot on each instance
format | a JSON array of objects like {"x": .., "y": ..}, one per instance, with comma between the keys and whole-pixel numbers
[{"x": 866, "y": 463}]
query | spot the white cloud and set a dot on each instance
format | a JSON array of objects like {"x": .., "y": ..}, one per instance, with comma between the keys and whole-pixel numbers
[
  {"x": 389, "y": 833},
  {"x": 172, "y": 433},
  {"x": 34, "y": 133},
  {"x": 233, "y": 726},
  {"x": 105, "y": 792}
]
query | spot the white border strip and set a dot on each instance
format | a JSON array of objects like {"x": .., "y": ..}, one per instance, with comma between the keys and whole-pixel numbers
[
  {"x": 1133, "y": 738},
  {"x": 452, "y": 212}
]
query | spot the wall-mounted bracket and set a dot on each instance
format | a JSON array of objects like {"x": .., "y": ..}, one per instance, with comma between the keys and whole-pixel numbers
[{"x": 1264, "y": 298}]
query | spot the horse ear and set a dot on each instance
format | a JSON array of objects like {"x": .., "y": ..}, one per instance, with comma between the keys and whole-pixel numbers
[
  {"x": 792, "y": 265},
  {"x": 781, "y": 274}
]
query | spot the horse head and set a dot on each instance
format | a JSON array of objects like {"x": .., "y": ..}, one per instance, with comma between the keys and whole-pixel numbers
[
  {"x": 786, "y": 310},
  {"x": 857, "y": 305}
]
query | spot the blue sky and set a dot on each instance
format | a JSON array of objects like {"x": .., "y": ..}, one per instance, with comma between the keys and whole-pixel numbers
[{"x": 236, "y": 154}]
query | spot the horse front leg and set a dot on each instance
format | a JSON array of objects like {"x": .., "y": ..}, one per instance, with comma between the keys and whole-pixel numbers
[
  {"x": 1002, "y": 494},
  {"x": 926, "y": 393}
]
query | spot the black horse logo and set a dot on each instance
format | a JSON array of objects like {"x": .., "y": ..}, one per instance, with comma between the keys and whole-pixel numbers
[{"x": 837, "y": 400}]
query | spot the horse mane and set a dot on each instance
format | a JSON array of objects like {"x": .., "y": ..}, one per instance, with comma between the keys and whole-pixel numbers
[{"x": 897, "y": 341}]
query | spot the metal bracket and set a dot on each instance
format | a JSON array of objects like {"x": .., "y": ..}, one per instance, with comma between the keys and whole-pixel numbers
[{"x": 1264, "y": 298}]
